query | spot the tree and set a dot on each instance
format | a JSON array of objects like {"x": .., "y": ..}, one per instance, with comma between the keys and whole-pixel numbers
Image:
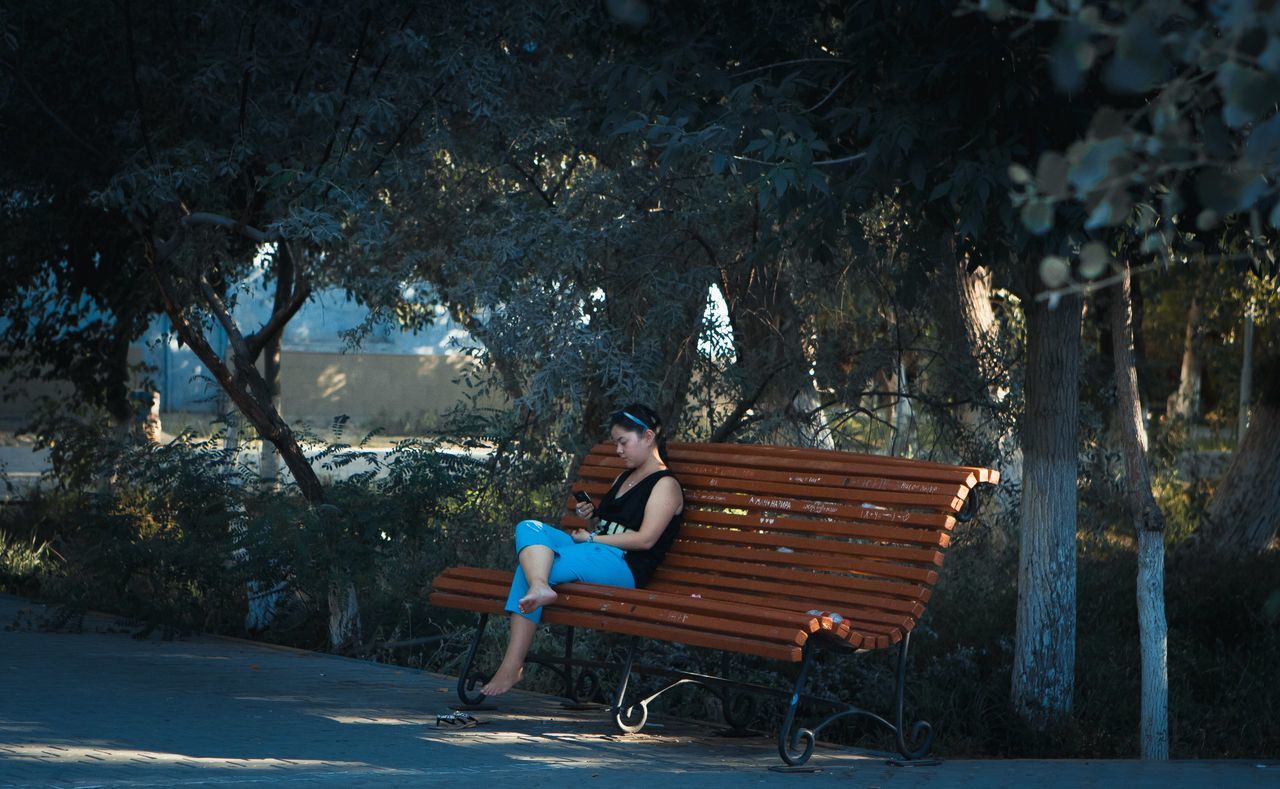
[
  {"x": 280, "y": 129},
  {"x": 1199, "y": 145},
  {"x": 1148, "y": 525},
  {"x": 1244, "y": 514}
]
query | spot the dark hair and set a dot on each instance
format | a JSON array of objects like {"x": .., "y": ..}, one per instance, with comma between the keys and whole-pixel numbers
[{"x": 638, "y": 417}]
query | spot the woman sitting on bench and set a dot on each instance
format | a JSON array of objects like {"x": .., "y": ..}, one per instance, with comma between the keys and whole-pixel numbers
[{"x": 633, "y": 527}]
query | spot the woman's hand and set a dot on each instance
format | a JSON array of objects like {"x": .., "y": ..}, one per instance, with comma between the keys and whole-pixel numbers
[
  {"x": 580, "y": 535},
  {"x": 585, "y": 509}
]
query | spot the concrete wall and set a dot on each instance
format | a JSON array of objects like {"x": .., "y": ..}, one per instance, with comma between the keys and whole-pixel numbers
[{"x": 376, "y": 390}]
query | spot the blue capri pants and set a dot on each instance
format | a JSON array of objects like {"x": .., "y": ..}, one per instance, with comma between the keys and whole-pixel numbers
[{"x": 589, "y": 562}]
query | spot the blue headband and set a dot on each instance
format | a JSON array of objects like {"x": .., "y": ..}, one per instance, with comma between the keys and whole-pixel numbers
[{"x": 636, "y": 419}]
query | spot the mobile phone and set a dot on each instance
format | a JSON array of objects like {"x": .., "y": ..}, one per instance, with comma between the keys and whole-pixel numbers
[{"x": 582, "y": 496}]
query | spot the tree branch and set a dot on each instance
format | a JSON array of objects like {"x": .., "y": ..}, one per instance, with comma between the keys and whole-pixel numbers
[
  {"x": 568, "y": 171},
  {"x": 530, "y": 180},
  {"x": 823, "y": 163},
  {"x": 373, "y": 81},
  {"x": 734, "y": 420},
  {"x": 346, "y": 89},
  {"x": 782, "y": 63},
  {"x": 292, "y": 291},
  {"x": 235, "y": 226}
]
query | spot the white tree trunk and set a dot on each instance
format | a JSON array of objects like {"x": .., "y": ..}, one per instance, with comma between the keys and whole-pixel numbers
[
  {"x": 815, "y": 433},
  {"x": 1153, "y": 639},
  {"x": 1184, "y": 403},
  {"x": 979, "y": 330},
  {"x": 344, "y": 616},
  {"x": 902, "y": 416},
  {"x": 1244, "y": 513},
  {"x": 269, "y": 456},
  {"x": 1148, "y": 523},
  {"x": 1246, "y": 377},
  {"x": 1044, "y": 645}
]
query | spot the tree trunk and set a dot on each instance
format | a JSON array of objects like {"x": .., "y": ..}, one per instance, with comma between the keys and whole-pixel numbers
[
  {"x": 1244, "y": 514},
  {"x": 1148, "y": 524},
  {"x": 344, "y": 615},
  {"x": 1246, "y": 376},
  {"x": 1044, "y": 650},
  {"x": 269, "y": 456},
  {"x": 903, "y": 416},
  {"x": 770, "y": 348},
  {"x": 974, "y": 334},
  {"x": 251, "y": 395},
  {"x": 1184, "y": 404}
]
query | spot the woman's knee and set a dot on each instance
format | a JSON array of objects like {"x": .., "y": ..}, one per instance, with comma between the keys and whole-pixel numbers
[
  {"x": 531, "y": 532},
  {"x": 530, "y": 527}
]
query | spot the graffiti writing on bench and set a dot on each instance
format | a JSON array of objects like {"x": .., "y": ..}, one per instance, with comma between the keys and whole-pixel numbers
[{"x": 773, "y": 504}]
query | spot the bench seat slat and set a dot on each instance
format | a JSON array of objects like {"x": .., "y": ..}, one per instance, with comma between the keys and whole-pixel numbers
[
  {"x": 477, "y": 578},
  {"x": 718, "y": 615},
  {"x": 657, "y": 614},
  {"x": 557, "y": 615}
]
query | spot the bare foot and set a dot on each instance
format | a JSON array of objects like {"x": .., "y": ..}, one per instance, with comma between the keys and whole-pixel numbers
[
  {"x": 537, "y": 597},
  {"x": 503, "y": 681}
]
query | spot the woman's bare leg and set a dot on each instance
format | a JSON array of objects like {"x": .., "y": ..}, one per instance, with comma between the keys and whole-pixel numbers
[
  {"x": 536, "y": 561},
  {"x": 512, "y": 668}
]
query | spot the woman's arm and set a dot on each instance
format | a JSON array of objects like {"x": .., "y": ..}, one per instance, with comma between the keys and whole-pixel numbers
[{"x": 665, "y": 501}]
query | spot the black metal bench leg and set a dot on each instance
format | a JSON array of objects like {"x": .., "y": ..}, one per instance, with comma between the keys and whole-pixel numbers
[
  {"x": 789, "y": 743},
  {"x": 465, "y": 683},
  {"x": 921, "y": 732},
  {"x": 629, "y": 720},
  {"x": 570, "y": 691}
]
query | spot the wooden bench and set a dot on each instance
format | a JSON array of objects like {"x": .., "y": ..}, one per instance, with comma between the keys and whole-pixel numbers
[{"x": 782, "y": 551}]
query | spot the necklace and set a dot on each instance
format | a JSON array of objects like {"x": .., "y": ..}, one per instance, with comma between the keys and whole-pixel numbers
[{"x": 636, "y": 476}]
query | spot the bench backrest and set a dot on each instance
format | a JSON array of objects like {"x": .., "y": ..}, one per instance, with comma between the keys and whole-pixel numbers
[{"x": 807, "y": 529}]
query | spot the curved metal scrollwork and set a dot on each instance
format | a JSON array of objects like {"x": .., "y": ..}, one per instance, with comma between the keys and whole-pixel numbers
[
  {"x": 918, "y": 744},
  {"x": 739, "y": 709},
  {"x": 469, "y": 691},
  {"x": 632, "y": 719},
  {"x": 586, "y": 687},
  {"x": 788, "y": 748},
  {"x": 468, "y": 686},
  {"x": 921, "y": 739}
]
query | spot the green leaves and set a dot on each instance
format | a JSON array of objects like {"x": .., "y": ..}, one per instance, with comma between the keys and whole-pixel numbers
[
  {"x": 1208, "y": 125},
  {"x": 1247, "y": 93},
  {"x": 1138, "y": 63},
  {"x": 1037, "y": 216}
]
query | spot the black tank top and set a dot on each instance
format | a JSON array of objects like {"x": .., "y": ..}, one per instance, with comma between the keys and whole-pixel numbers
[{"x": 626, "y": 511}]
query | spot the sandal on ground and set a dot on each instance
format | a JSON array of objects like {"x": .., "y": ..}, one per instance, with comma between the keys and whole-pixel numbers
[{"x": 456, "y": 720}]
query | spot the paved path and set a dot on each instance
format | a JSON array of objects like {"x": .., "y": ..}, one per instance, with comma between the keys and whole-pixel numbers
[{"x": 99, "y": 708}]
